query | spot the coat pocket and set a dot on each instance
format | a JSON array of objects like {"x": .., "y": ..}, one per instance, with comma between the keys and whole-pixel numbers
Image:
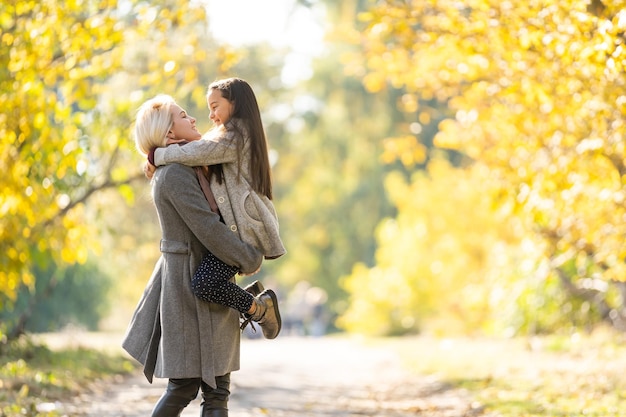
[
  {"x": 173, "y": 246},
  {"x": 258, "y": 210}
]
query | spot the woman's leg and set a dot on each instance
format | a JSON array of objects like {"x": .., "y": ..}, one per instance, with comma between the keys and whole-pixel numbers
[
  {"x": 179, "y": 393},
  {"x": 215, "y": 400}
]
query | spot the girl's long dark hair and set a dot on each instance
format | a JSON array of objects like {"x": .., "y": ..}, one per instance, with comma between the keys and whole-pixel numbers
[{"x": 246, "y": 108}]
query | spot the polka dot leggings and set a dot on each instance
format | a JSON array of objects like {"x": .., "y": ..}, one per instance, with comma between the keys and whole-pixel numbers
[{"x": 211, "y": 282}]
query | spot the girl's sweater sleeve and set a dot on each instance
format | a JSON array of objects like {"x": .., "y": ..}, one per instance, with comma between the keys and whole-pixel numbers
[{"x": 200, "y": 152}]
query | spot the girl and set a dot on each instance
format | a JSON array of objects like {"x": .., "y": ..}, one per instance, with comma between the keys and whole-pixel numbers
[{"x": 239, "y": 174}]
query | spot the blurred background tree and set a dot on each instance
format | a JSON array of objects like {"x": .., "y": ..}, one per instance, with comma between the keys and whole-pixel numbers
[
  {"x": 55, "y": 58},
  {"x": 535, "y": 96},
  {"x": 75, "y": 295},
  {"x": 72, "y": 75},
  {"x": 450, "y": 167}
]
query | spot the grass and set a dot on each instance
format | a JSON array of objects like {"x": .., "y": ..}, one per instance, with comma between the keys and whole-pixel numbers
[
  {"x": 554, "y": 376},
  {"x": 33, "y": 376}
]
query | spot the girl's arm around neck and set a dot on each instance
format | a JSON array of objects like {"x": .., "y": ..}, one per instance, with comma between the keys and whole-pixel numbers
[{"x": 200, "y": 152}]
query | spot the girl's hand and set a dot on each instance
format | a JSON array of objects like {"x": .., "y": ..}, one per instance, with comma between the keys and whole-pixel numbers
[{"x": 148, "y": 170}]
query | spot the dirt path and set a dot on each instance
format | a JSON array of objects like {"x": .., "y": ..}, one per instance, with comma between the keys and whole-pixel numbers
[{"x": 301, "y": 377}]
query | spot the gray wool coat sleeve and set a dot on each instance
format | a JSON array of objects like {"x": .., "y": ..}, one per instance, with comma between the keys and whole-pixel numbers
[{"x": 199, "y": 152}]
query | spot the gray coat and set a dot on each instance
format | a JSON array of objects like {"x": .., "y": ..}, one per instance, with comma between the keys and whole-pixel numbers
[
  {"x": 187, "y": 336},
  {"x": 251, "y": 215}
]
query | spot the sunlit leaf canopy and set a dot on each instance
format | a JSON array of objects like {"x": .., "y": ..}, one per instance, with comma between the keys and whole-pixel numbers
[
  {"x": 536, "y": 93},
  {"x": 167, "y": 47},
  {"x": 50, "y": 53},
  {"x": 526, "y": 188},
  {"x": 64, "y": 118}
]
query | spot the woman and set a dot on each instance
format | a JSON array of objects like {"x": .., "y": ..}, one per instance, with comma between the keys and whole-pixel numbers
[
  {"x": 236, "y": 151},
  {"x": 173, "y": 333}
]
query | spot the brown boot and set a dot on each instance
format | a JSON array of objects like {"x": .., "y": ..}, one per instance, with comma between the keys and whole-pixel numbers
[
  {"x": 267, "y": 314},
  {"x": 255, "y": 288}
]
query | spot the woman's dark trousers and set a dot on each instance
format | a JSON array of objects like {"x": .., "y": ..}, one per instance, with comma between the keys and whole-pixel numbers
[{"x": 180, "y": 392}]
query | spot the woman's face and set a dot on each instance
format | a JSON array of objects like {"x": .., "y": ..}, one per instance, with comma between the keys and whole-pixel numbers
[
  {"x": 220, "y": 109},
  {"x": 183, "y": 126}
]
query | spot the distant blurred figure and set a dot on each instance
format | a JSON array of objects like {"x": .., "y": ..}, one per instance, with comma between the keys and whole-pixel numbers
[
  {"x": 316, "y": 300},
  {"x": 305, "y": 311}
]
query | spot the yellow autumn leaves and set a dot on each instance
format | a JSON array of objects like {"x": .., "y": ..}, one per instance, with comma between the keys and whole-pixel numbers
[{"x": 535, "y": 94}]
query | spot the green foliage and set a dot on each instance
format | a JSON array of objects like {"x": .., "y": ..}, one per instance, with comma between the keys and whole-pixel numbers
[
  {"x": 328, "y": 173},
  {"x": 74, "y": 295}
]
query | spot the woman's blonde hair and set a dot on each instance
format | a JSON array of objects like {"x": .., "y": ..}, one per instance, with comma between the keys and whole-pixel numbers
[{"x": 154, "y": 120}]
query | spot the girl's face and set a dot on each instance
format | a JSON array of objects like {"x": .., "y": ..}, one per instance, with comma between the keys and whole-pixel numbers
[
  {"x": 220, "y": 109},
  {"x": 183, "y": 126}
]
